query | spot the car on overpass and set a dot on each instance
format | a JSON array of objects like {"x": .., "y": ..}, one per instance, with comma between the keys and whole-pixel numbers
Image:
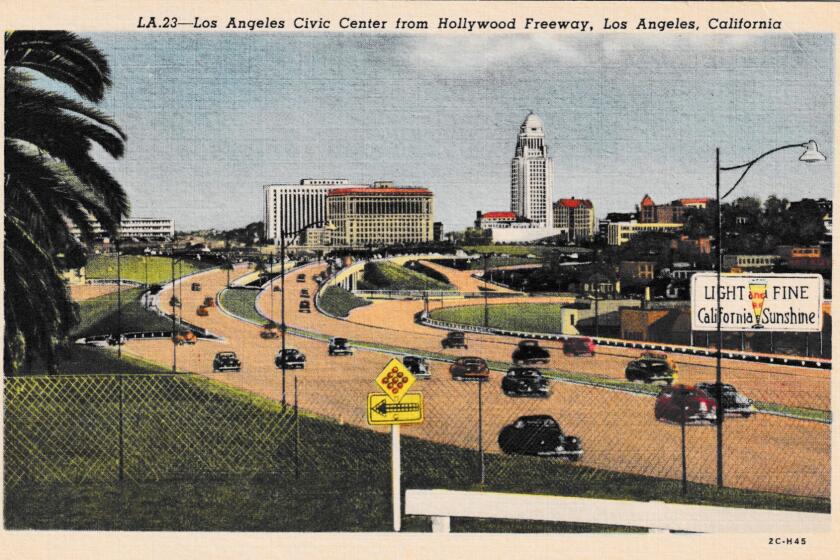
[
  {"x": 530, "y": 352},
  {"x": 685, "y": 403},
  {"x": 454, "y": 339},
  {"x": 292, "y": 358},
  {"x": 470, "y": 367},
  {"x": 539, "y": 435},
  {"x": 732, "y": 402},
  {"x": 525, "y": 382},
  {"x": 648, "y": 370},
  {"x": 226, "y": 361}
]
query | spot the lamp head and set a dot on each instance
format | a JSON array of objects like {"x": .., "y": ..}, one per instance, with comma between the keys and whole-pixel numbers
[{"x": 812, "y": 153}]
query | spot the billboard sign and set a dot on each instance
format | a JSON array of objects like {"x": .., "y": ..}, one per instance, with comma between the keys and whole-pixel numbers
[{"x": 772, "y": 302}]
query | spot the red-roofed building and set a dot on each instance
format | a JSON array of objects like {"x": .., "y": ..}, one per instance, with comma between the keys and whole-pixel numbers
[
  {"x": 674, "y": 212},
  {"x": 380, "y": 215},
  {"x": 489, "y": 220},
  {"x": 577, "y": 215}
]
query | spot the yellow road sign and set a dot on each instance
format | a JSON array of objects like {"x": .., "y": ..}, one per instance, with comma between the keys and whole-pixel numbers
[
  {"x": 395, "y": 380},
  {"x": 381, "y": 410}
]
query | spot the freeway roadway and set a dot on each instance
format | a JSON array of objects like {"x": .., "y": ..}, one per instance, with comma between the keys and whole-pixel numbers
[{"x": 618, "y": 429}]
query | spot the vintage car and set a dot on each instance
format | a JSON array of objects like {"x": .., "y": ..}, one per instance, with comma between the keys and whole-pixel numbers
[
  {"x": 202, "y": 311},
  {"x": 731, "y": 401},
  {"x": 186, "y": 337},
  {"x": 454, "y": 339},
  {"x": 269, "y": 331},
  {"x": 196, "y": 287},
  {"x": 539, "y": 435},
  {"x": 116, "y": 340},
  {"x": 209, "y": 302},
  {"x": 530, "y": 352},
  {"x": 469, "y": 368},
  {"x": 291, "y": 358},
  {"x": 304, "y": 307},
  {"x": 648, "y": 370},
  {"x": 174, "y": 302},
  {"x": 301, "y": 278},
  {"x": 226, "y": 361},
  {"x": 684, "y": 403},
  {"x": 579, "y": 346},
  {"x": 653, "y": 354},
  {"x": 524, "y": 382},
  {"x": 95, "y": 340},
  {"x": 304, "y": 293},
  {"x": 339, "y": 347},
  {"x": 276, "y": 288},
  {"x": 418, "y": 366}
]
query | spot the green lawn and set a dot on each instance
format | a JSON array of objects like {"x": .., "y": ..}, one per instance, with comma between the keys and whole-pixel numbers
[
  {"x": 527, "y": 317},
  {"x": 241, "y": 302},
  {"x": 99, "y": 315},
  {"x": 388, "y": 276},
  {"x": 337, "y": 301},
  {"x": 133, "y": 267},
  {"x": 202, "y": 456}
]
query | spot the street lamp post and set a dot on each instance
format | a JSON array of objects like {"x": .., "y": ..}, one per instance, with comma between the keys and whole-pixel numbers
[
  {"x": 119, "y": 300},
  {"x": 812, "y": 155},
  {"x": 484, "y": 257},
  {"x": 283, "y": 234}
]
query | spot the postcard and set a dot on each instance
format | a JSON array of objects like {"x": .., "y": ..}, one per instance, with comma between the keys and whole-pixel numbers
[{"x": 424, "y": 279}]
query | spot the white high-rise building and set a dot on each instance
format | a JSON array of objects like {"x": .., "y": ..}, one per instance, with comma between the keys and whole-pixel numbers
[
  {"x": 532, "y": 175},
  {"x": 288, "y": 208}
]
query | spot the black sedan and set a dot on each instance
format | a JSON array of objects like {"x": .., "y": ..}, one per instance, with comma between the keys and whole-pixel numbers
[
  {"x": 530, "y": 352},
  {"x": 226, "y": 361},
  {"x": 524, "y": 382},
  {"x": 539, "y": 435},
  {"x": 649, "y": 370},
  {"x": 732, "y": 401},
  {"x": 291, "y": 358}
]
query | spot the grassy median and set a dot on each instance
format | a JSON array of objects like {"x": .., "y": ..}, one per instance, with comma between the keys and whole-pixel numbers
[
  {"x": 527, "y": 317},
  {"x": 388, "y": 276},
  {"x": 134, "y": 267},
  {"x": 338, "y": 302}
]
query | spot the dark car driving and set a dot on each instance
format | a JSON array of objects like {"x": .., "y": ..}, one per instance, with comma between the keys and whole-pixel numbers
[
  {"x": 684, "y": 403},
  {"x": 293, "y": 359},
  {"x": 226, "y": 361},
  {"x": 530, "y": 352},
  {"x": 732, "y": 402},
  {"x": 301, "y": 278},
  {"x": 340, "y": 347},
  {"x": 418, "y": 366},
  {"x": 469, "y": 368},
  {"x": 649, "y": 370},
  {"x": 524, "y": 382},
  {"x": 304, "y": 307},
  {"x": 454, "y": 339},
  {"x": 539, "y": 435},
  {"x": 579, "y": 346}
]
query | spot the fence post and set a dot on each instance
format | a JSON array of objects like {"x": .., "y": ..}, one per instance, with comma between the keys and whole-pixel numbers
[
  {"x": 121, "y": 464},
  {"x": 480, "y": 434},
  {"x": 297, "y": 431}
]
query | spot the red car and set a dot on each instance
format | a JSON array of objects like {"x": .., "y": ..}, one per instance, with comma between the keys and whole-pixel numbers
[
  {"x": 579, "y": 346},
  {"x": 469, "y": 368},
  {"x": 678, "y": 403}
]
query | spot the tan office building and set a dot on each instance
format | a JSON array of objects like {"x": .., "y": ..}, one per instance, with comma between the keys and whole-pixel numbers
[{"x": 380, "y": 215}]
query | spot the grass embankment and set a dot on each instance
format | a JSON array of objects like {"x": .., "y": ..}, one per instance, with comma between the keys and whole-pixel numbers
[
  {"x": 99, "y": 315},
  {"x": 388, "y": 276},
  {"x": 242, "y": 303},
  {"x": 87, "y": 360},
  {"x": 175, "y": 467},
  {"x": 526, "y": 317},
  {"x": 337, "y": 301},
  {"x": 133, "y": 267}
]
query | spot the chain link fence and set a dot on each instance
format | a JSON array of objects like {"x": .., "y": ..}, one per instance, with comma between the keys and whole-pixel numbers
[{"x": 75, "y": 429}]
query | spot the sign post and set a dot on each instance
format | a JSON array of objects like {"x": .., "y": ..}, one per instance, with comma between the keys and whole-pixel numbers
[{"x": 396, "y": 406}]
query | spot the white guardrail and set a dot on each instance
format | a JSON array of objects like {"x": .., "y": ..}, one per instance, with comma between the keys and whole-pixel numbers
[
  {"x": 441, "y": 505},
  {"x": 821, "y": 363}
]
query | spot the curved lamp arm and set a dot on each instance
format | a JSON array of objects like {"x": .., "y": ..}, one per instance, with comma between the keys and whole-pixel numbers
[{"x": 747, "y": 166}]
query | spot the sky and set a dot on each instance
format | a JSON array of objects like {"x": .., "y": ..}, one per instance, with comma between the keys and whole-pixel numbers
[{"x": 211, "y": 118}]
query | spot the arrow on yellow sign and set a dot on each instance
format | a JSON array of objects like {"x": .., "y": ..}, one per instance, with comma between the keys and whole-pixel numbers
[{"x": 408, "y": 411}]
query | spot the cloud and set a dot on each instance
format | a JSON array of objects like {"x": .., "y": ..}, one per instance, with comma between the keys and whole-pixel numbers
[{"x": 481, "y": 52}]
